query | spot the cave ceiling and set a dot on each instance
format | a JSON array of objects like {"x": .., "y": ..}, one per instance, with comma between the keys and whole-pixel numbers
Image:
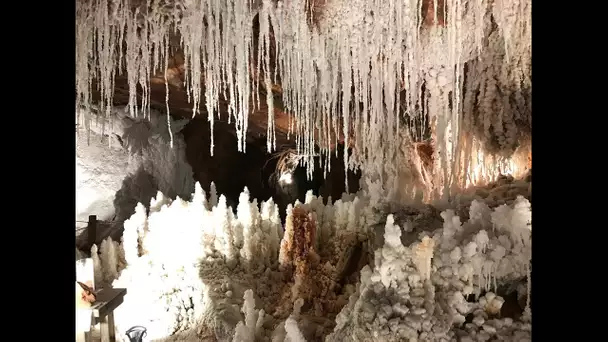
[{"x": 180, "y": 107}]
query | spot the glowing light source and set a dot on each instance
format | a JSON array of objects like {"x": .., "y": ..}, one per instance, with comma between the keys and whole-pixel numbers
[{"x": 286, "y": 178}]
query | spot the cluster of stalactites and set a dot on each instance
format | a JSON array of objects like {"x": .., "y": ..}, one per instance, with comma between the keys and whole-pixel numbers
[{"x": 364, "y": 72}]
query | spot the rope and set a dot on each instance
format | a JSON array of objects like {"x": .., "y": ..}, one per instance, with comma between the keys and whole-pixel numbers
[{"x": 99, "y": 221}]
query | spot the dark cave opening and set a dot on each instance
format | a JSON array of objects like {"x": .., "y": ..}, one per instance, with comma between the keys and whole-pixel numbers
[{"x": 256, "y": 169}]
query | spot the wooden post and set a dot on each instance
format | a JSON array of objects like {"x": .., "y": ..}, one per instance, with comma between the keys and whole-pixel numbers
[
  {"x": 103, "y": 312},
  {"x": 92, "y": 231},
  {"x": 107, "y": 328}
]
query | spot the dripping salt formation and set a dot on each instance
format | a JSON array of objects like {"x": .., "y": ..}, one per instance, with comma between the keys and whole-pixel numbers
[{"x": 456, "y": 73}]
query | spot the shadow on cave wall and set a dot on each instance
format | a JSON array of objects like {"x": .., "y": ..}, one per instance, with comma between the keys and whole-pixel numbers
[{"x": 231, "y": 170}]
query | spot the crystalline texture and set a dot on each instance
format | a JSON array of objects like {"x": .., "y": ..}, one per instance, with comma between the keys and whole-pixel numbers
[{"x": 342, "y": 77}]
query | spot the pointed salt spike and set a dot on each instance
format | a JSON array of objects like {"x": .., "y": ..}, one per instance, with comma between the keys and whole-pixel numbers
[
  {"x": 392, "y": 233},
  {"x": 199, "y": 195},
  {"x": 309, "y": 197},
  {"x": 139, "y": 208},
  {"x": 213, "y": 195},
  {"x": 197, "y": 188},
  {"x": 265, "y": 210},
  {"x": 222, "y": 201}
]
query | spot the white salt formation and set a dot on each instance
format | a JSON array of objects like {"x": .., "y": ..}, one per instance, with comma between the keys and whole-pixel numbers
[
  {"x": 396, "y": 301},
  {"x": 432, "y": 97},
  {"x": 140, "y": 162},
  {"x": 154, "y": 165},
  {"x": 333, "y": 275},
  {"x": 456, "y": 73},
  {"x": 100, "y": 169}
]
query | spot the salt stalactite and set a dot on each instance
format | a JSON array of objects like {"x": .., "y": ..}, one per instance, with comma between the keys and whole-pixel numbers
[
  {"x": 264, "y": 55},
  {"x": 84, "y": 52},
  {"x": 132, "y": 58},
  {"x": 341, "y": 79}
]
